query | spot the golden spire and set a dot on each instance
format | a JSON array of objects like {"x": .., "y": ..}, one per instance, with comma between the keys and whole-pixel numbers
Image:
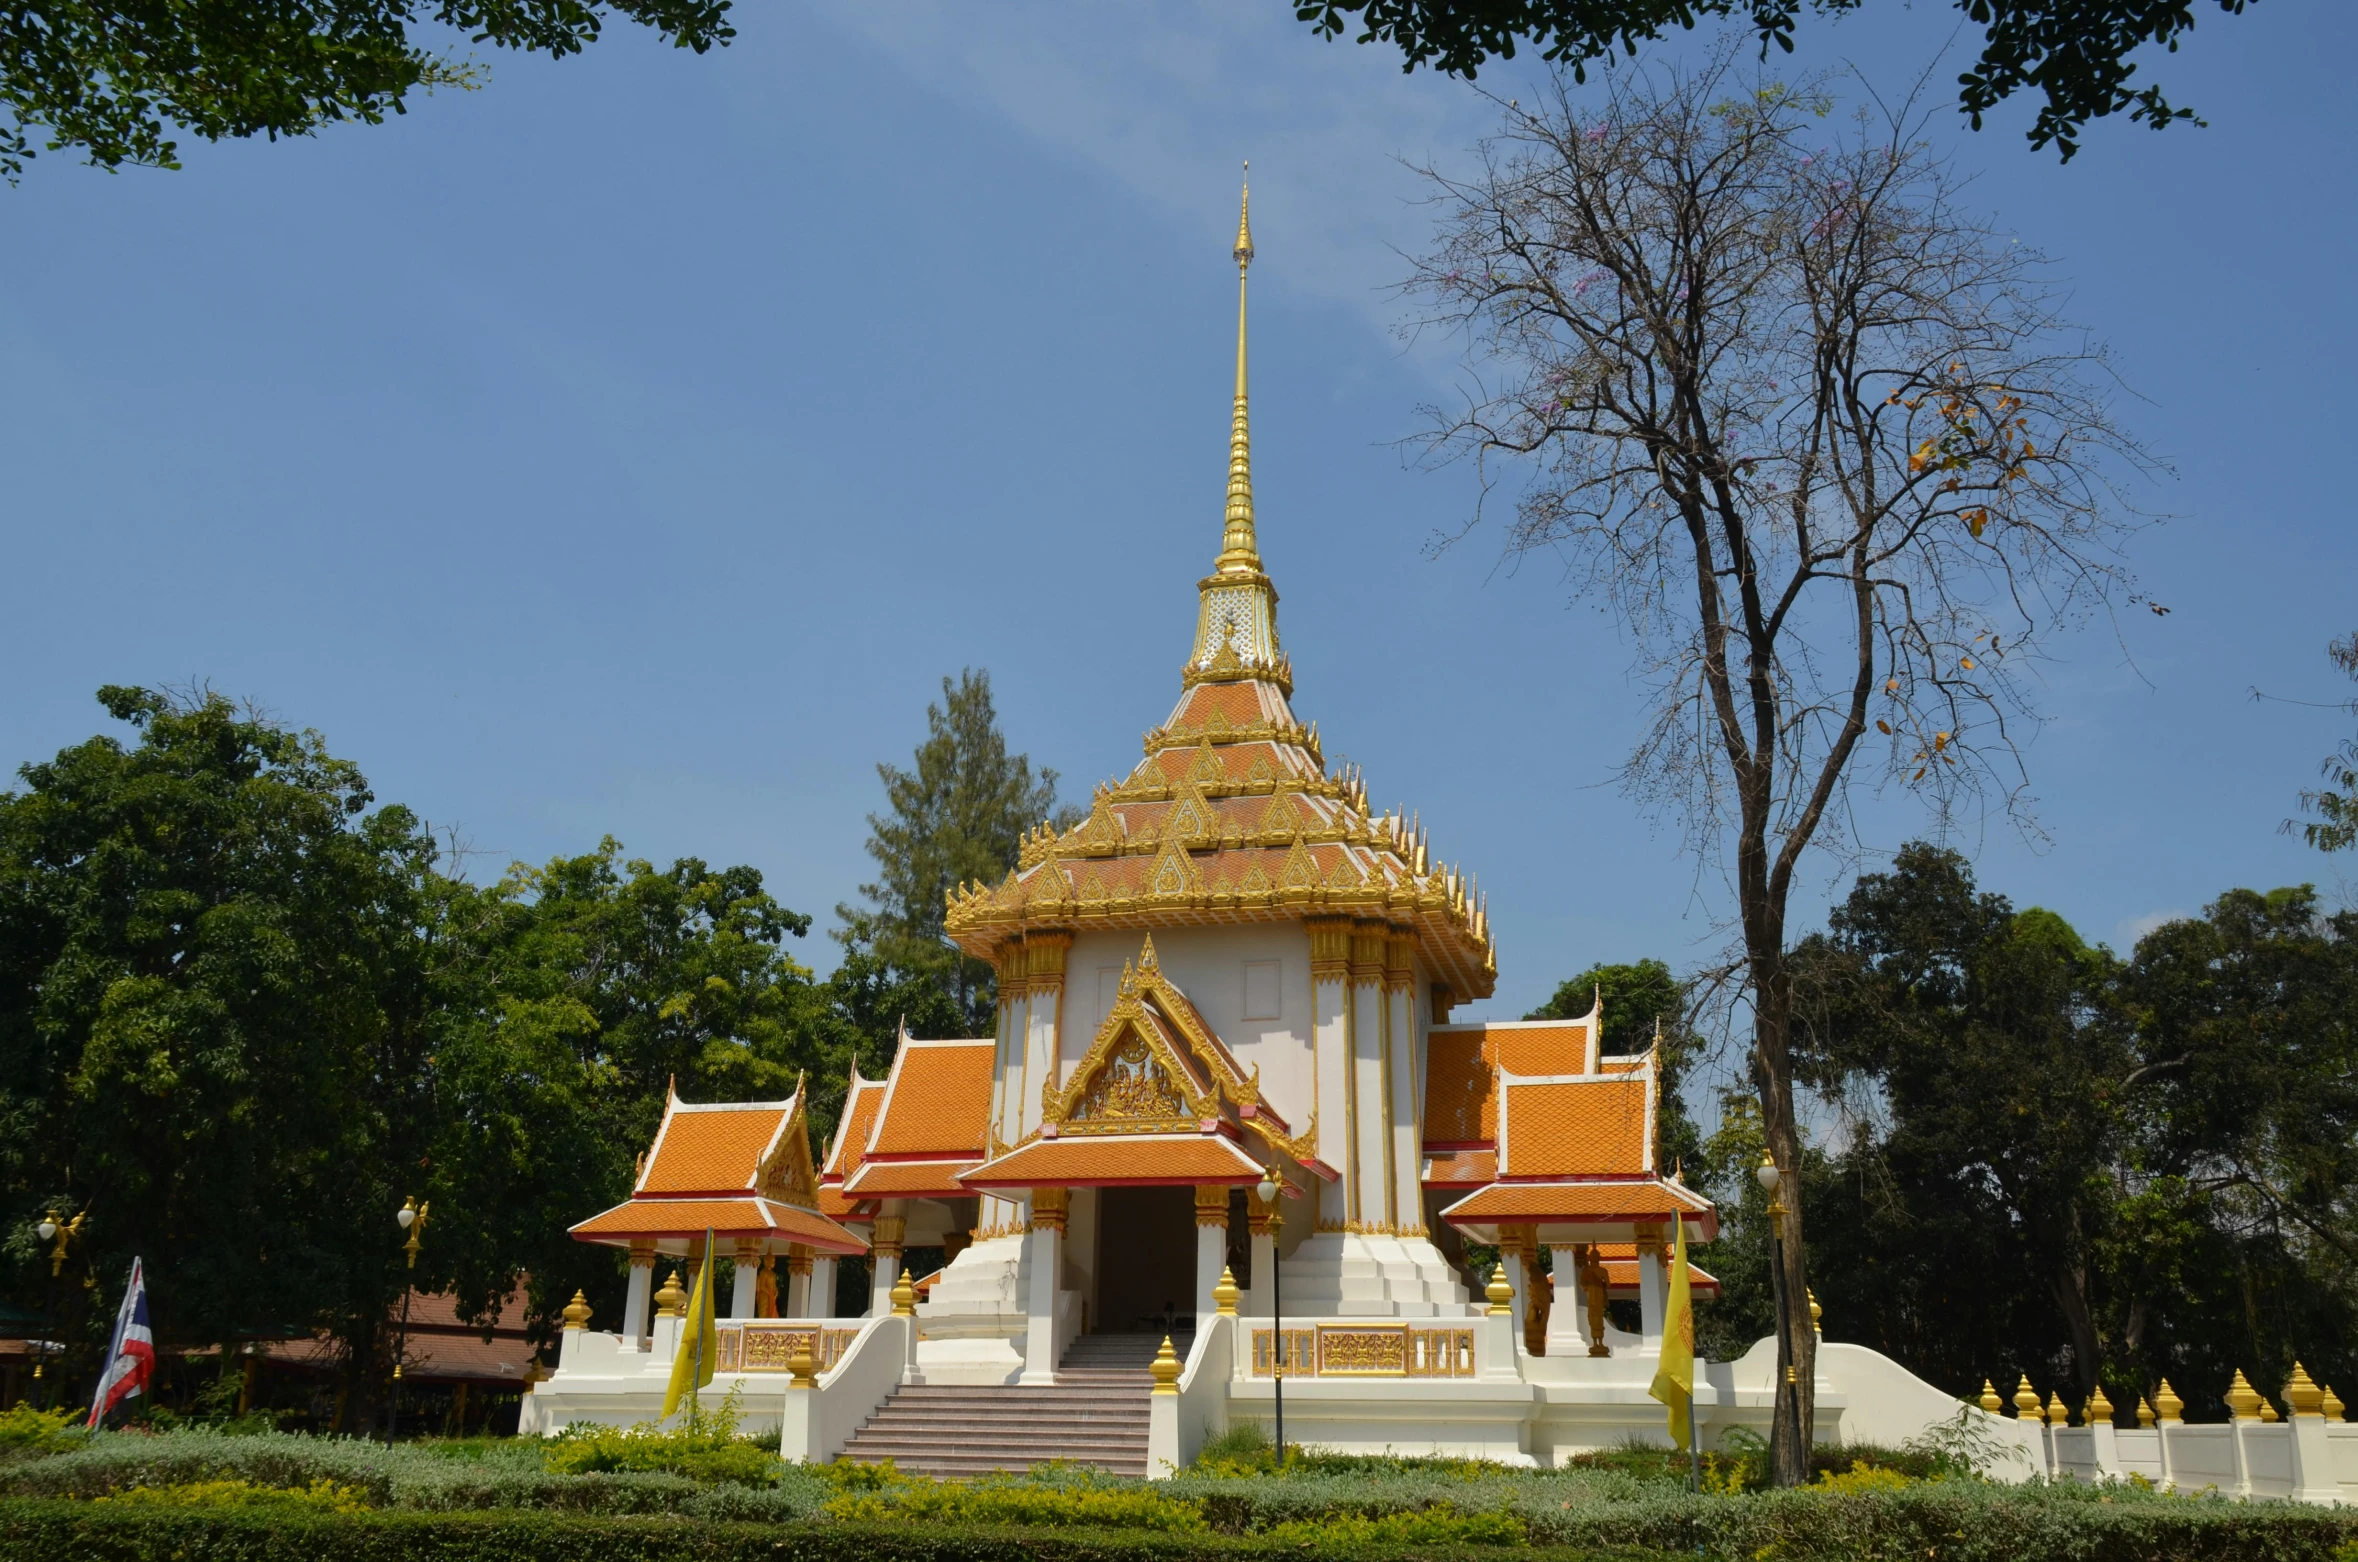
[{"x": 1238, "y": 554}]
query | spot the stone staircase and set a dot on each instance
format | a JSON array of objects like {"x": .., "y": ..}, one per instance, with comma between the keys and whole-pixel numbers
[{"x": 1096, "y": 1415}]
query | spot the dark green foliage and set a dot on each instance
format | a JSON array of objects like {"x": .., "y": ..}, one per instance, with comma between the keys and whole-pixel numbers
[
  {"x": 2333, "y": 826},
  {"x": 2067, "y": 1164},
  {"x": 567, "y": 999},
  {"x": 2075, "y": 54},
  {"x": 214, "y": 1023},
  {"x": 113, "y": 78},
  {"x": 244, "y": 1013},
  {"x": 959, "y": 815}
]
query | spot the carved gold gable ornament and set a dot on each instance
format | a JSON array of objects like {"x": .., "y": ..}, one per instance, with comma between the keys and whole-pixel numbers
[
  {"x": 1130, "y": 1088},
  {"x": 788, "y": 1175}
]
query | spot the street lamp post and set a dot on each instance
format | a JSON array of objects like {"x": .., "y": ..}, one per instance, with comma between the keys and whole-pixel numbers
[
  {"x": 1270, "y": 1190},
  {"x": 63, "y": 1233},
  {"x": 412, "y": 1219},
  {"x": 1786, "y": 1403}
]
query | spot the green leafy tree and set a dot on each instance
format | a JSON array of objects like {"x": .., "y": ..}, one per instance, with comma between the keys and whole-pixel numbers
[
  {"x": 2060, "y": 1163},
  {"x": 2244, "y": 1240},
  {"x": 568, "y": 1000},
  {"x": 213, "y": 1023},
  {"x": 114, "y": 79},
  {"x": 2333, "y": 825},
  {"x": 2076, "y": 55},
  {"x": 1996, "y": 1104},
  {"x": 959, "y": 813}
]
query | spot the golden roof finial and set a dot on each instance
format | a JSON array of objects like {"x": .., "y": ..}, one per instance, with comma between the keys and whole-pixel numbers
[{"x": 1238, "y": 553}]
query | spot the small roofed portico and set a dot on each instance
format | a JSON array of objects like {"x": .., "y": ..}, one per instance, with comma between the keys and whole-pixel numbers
[
  {"x": 1539, "y": 1140},
  {"x": 742, "y": 1171}
]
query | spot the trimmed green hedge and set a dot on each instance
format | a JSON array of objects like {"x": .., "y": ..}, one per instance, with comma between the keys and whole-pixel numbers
[
  {"x": 37, "y": 1531},
  {"x": 1929, "y": 1524}
]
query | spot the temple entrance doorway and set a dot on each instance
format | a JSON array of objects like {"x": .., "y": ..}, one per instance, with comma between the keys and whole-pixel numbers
[{"x": 1145, "y": 1260}]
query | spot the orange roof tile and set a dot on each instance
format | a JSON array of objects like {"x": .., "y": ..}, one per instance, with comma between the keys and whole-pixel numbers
[
  {"x": 937, "y": 1100},
  {"x": 1597, "y": 1126},
  {"x": 851, "y": 1136},
  {"x": 1462, "y": 1169},
  {"x": 1237, "y": 703},
  {"x": 1127, "y": 1161},
  {"x": 909, "y": 1179},
  {"x": 745, "y": 1217},
  {"x": 1556, "y": 1047},
  {"x": 1461, "y": 1096},
  {"x": 1589, "y": 1203},
  {"x": 711, "y": 1149}
]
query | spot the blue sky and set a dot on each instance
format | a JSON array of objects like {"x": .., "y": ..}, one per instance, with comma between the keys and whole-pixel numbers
[{"x": 631, "y": 447}]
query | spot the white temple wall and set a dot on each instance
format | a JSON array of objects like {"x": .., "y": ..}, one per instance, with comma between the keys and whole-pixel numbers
[{"x": 1209, "y": 964}]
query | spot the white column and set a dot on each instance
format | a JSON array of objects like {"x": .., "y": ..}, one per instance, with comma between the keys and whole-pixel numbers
[
  {"x": 1211, "y": 1250},
  {"x": 1045, "y": 1244},
  {"x": 822, "y": 1287},
  {"x": 1408, "y": 1202},
  {"x": 1523, "y": 1270},
  {"x": 1263, "y": 1295},
  {"x": 1653, "y": 1295},
  {"x": 1372, "y": 1190},
  {"x": 748, "y": 1276},
  {"x": 798, "y": 1285},
  {"x": 884, "y": 1257},
  {"x": 642, "y": 1286},
  {"x": 1330, "y": 1019},
  {"x": 1566, "y": 1335}
]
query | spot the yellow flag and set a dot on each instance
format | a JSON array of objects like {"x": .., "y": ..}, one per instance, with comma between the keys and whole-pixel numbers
[
  {"x": 1674, "y": 1379},
  {"x": 691, "y": 1365}
]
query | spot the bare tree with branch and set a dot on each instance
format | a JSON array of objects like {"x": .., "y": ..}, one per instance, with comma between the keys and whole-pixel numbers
[{"x": 1820, "y": 437}]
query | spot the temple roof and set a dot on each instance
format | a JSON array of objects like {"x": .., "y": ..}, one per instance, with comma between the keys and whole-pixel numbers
[
  {"x": 932, "y": 1120},
  {"x": 844, "y": 1152},
  {"x": 741, "y": 1169},
  {"x": 1537, "y": 1128},
  {"x": 1136, "y": 1160},
  {"x": 725, "y": 1218},
  {"x": 1232, "y": 816}
]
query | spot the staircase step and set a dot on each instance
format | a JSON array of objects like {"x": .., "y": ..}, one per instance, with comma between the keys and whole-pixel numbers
[{"x": 1096, "y": 1413}]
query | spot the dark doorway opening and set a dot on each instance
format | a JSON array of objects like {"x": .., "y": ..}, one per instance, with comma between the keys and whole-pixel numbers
[{"x": 1145, "y": 1259}]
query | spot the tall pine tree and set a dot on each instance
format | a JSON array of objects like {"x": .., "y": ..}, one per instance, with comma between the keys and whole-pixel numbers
[{"x": 958, "y": 814}]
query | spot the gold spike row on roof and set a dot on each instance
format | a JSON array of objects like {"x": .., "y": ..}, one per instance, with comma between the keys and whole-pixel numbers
[{"x": 1239, "y": 555}]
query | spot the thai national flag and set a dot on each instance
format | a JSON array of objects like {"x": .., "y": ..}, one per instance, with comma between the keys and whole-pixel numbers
[{"x": 131, "y": 1358}]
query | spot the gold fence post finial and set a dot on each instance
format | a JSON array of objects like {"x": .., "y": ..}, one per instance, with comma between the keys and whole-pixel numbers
[
  {"x": 1501, "y": 1292},
  {"x": 577, "y": 1312},
  {"x": 1989, "y": 1399},
  {"x": 1225, "y": 1293},
  {"x": 1165, "y": 1369},
  {"x": 2301, "y": 1393},
  {"x": 2026, "y": 1400},
  {"x": 2167, "y": 1406}
]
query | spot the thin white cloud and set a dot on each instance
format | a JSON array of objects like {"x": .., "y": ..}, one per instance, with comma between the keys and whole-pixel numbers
[{"x": 1169, "y": 99}]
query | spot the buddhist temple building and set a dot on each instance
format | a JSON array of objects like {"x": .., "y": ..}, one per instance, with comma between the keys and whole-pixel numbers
[{"x": 1237, "y": 972}]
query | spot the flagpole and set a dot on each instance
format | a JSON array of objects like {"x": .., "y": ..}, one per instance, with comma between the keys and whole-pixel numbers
[{"x": 703, "y": 1295}]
